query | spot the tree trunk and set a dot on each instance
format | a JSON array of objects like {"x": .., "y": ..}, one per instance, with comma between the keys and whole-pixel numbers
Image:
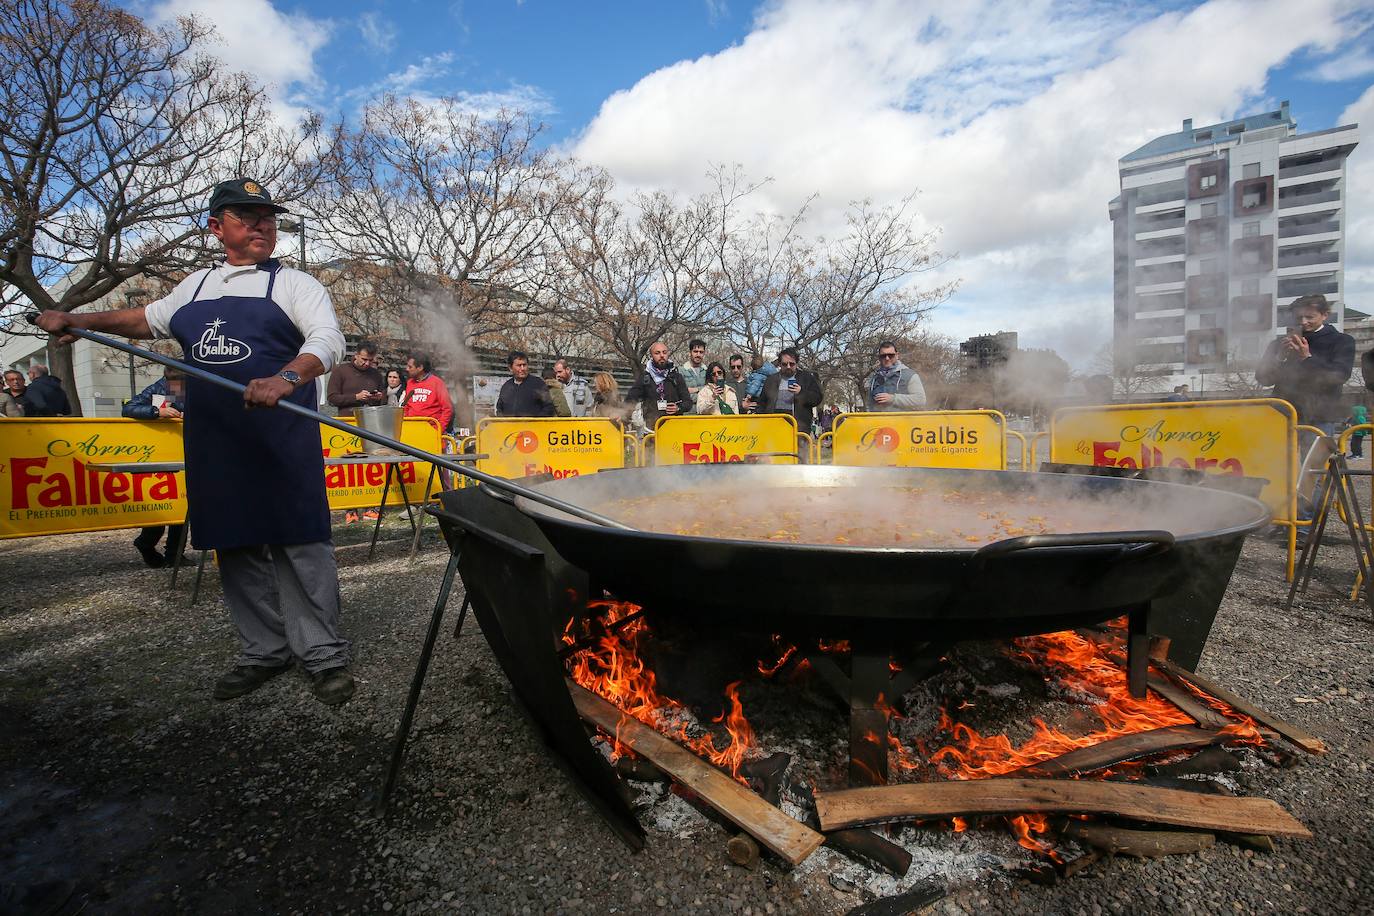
[{"x": 63, "y": 368}]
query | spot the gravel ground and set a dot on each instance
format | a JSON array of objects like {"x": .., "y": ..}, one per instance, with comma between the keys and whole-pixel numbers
[{"x": 119, "y": 774}]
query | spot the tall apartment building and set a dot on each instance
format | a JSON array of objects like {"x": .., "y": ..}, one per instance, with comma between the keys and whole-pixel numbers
[{"x": 1216, "y": 231}]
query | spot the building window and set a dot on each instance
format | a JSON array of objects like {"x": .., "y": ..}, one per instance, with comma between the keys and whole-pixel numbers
[
  {"x": 1250, "y": 170},
  {"x": 1250, "y": 257},
  {"x": 1207, "y": 181},
  {"x": 1207, "y": 238},
  {"x": 1206, "y": 348},
  {"x": 1203, "y": 135},
  {"x": 1208, "y": 265},
  {"x": 1207, "y": 321},
  {"x": 1252, "y": 198},
  {"x": 1250, "y": 230},
  {"x": 1209, "y": 209},
  {"x": 1249, "y": 287},
  {"x": 1236, "y": 129}
]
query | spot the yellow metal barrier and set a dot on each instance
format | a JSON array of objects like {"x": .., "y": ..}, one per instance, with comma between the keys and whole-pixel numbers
[
  {"x": 699, "y": 439},
  {"x": 810, "y": 455},
  {"x": 1024, "y": 454},
  {"x": 1255, "y": 438},
  {"x": 1035, "y": 447},
  {"x": 561, "y": 446}
]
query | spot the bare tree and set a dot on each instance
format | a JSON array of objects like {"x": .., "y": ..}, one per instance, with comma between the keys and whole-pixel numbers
[
  {"x": 111, "y": 135},
  {"x": 1131, "y": 374},
  {"x": 632, "y": 274},
  {"x": 434, "y": 192}
]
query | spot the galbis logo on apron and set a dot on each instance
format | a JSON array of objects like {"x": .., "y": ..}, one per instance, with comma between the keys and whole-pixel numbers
[{"x": 215, "y": 347}]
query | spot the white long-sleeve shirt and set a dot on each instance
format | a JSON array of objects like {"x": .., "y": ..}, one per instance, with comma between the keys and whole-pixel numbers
[{"x": 304, "y": 300}]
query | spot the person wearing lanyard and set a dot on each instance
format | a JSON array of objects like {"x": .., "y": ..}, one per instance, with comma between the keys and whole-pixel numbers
[{"x": 254, "y": 477}]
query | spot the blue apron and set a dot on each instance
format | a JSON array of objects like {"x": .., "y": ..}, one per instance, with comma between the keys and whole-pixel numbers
[{"x": 252, "y": 476}]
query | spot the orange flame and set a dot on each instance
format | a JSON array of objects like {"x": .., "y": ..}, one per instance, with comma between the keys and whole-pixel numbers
[
  {"x": 612, "y": 669},
  {"x": 769, "y": 670}
]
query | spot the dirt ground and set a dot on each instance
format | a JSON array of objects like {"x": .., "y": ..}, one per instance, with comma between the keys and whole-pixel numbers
[{"x": 131, "y": 791}]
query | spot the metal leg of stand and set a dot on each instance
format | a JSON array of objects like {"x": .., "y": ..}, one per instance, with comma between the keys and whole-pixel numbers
[
  {"x": 200, "y": 571},
  {"x": 1138, "y": 649},
  {"x": 398, "y": 749},
  {"x": 462, "y": 614},
  {"x": 176, "y": 561},
  {"x": 381, "y": 510},
  {"x": 1315, "y": 531},
  {"x": 429, "y": 487}
]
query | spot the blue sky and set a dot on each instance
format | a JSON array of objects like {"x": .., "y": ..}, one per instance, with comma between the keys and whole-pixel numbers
[{"x": 1007, "y": 116}]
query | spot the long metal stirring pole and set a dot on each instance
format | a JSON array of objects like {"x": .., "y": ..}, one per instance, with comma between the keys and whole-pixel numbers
[{"x": 499, "y": 482}]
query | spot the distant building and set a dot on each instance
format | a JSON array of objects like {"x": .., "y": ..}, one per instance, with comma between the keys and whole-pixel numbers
[
  {"x": 986, "y": 351},
  {"x": 1216, "y": 231}
]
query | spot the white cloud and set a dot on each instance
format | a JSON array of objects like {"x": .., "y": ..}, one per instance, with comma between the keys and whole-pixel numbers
[
  {"x": 255, "y": 37},
  {"x": 1009, "y": 116},
  {"x": 378, "y": 33}
]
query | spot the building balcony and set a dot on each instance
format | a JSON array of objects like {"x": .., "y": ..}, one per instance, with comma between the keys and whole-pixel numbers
[
  {"x": 1160, "y": 205},
  {"x": 1289, "y": 258},
  {"x": 1162, "y": 229},
  {"x": 1318, "y": 227},
  {"x": 1158, "y": 259},
  {"x": 1290, "y": 173},
  {"x": 1156, "y": 305},
  {"x": 1292, "y": 287},
  {"x": 1304, "y": 200}
]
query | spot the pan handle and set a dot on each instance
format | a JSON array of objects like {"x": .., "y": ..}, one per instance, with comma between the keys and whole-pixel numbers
[{"x": 1135, "y": 545}]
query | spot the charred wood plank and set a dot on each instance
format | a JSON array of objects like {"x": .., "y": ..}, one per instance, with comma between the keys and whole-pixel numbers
[
  {"x": 903, "y": 904},
  {"x": 790, "y": 840},
  {"x": 972, "y": 798},
  {"x": 1142, "y": 844},
  {"x": 1127, "y": 747},
  {"x": 1303, "y": 739},
  {"x": 1203, "y": 763},
  {"x": 858, "y": 842}
]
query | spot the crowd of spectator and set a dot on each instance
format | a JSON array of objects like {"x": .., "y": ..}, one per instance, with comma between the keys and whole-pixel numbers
[{"x": 38, "y": 395}]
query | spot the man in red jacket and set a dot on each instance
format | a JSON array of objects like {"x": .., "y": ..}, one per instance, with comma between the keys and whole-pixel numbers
[{"x": 426, "y": 394}]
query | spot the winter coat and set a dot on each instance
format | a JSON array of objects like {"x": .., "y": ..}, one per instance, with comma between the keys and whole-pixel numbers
[
  {"x": 140, "y": 406},
  {"x": 708, "y": 403},
  {"x": 804, "y": 403},
  {"x": 1313, "y": 385},
  {"x": 908, "y": 393},
  {"x": 645, "y": 391},
  {"x": 530, "y": 398}
]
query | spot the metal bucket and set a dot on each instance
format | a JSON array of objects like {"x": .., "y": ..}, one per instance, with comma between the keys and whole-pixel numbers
[{"x": 384, "y": 420}]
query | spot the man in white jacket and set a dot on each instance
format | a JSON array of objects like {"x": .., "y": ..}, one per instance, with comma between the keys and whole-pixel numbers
[{"x": 893, "y": 385}]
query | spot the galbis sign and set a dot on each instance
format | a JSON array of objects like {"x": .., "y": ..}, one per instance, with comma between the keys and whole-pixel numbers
[
  {"x": 926, "y": 439},
  {"x": 562, "y": 447}
]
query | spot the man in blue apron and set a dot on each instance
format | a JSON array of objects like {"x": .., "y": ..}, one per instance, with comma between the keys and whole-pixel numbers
[{"x": 255, "y": 477}]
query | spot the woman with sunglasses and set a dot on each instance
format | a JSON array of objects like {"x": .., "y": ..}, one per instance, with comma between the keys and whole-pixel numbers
[{"x": 716, "y": 397}]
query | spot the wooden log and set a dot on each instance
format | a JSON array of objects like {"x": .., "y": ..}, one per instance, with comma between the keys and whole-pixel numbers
[
  {"x": 1127, "y": 747},
  {"x": 743, "y": 851},
  {"x": 858, "y": 843},
  {"x": 971, "y": 798},
  {"x": 1303, "y": 739},
  {"x": 1189, "y": 705},
  {"x": 780, "y": 834},
  {"x": 1204, "y": 763},
  {"x": 903, "y": 904},
  {"x": 638, "y": 768},
  {"x": 1142, "y": 844}
]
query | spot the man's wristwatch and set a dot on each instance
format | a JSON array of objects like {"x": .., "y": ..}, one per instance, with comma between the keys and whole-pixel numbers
[{"x": 293, "y": 377}]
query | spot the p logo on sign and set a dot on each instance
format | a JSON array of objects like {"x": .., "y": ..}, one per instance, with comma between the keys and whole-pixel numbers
[
  {"x": 523, "y": 441},
  {"x": 881, "y": 439}
]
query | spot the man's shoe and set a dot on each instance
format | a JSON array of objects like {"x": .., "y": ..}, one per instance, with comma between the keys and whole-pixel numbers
[
  {"x": 332, "y": 686},
  {"x": 245, "y": 679},
  {"x": 350, "y": 517},
  {"x": 151, "y": 555},
  {"x": 371, "y": 515}
]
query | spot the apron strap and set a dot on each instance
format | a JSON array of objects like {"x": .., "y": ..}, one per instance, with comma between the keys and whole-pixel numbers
[
  {"x": 270, "y": 266},
  {"x": 203, "y": 277}
]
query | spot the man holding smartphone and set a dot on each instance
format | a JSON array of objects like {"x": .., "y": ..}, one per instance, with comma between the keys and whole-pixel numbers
[
  {"x": 1309, "y": 365},
  {"x": 792, "y": 390},
  {"x": 357, "y": 383}
]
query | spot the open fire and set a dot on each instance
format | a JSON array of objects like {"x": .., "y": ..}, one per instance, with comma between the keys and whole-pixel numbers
[{"x": 609, "y": 661}]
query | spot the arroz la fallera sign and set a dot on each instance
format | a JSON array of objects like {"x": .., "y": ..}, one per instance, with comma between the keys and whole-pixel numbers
[
  {"x": 52, "y": 480},
  {"x": 724, "y": 439},
  {"x": 922, "y": 439},
  {"x": 562, "y": 447},
  {"x": 359, "y": 486},
  {"x": 1249, "y": 438}
]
